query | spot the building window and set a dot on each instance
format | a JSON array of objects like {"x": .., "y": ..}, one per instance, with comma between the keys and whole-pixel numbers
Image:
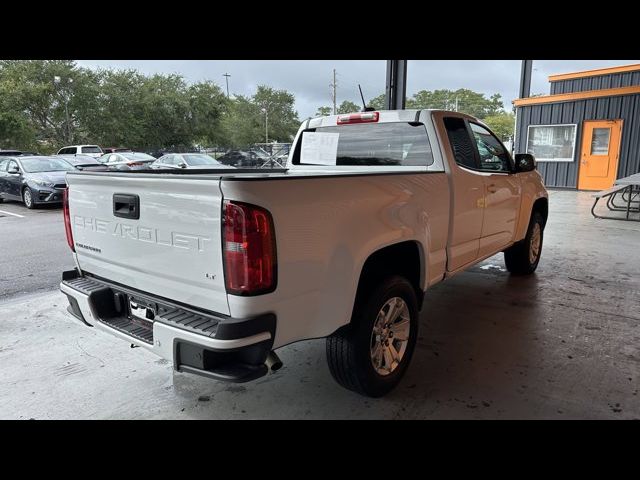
[{"x": 552, "y": 143}]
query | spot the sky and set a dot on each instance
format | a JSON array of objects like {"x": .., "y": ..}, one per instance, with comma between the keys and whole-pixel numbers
[{"x": 309, "y": 80}]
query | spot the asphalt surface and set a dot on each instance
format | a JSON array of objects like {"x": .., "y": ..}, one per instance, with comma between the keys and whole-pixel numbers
[
  {"x": 33, "y": 249},
  {"x": 563, "y": 343}
]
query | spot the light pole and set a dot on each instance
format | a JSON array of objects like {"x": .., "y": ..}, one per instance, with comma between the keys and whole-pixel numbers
[
  {"x": 226, "y": 77},
  {"x": 266, "y": 125},
  {"x": 57, "y": 81}
]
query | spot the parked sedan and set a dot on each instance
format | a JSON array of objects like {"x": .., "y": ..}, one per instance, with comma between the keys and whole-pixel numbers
[
  {"x": 33, "y": 180},
  {"x": 127, "y": 160},
  {"x": 240, "y": 159},
  {"x": 188, "y": 160},
  {"x": 84, "y": 162}
]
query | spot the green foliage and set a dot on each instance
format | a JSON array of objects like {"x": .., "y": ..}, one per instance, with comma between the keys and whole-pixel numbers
[
  {"x": 348, "y": 107},
  {"x": 468, "y": 101},
  {"x": 124, "y": 108},
  {"x": 244, "y": 123},
  {"x": 245, "y": 120},
  {"x": 502, "y": 124},
  {"x": 377, "y": 103},
  {"x": 324, "y": 111},
  {"x": 33, "y": 106},
  {"x": 279, "y": 104}
]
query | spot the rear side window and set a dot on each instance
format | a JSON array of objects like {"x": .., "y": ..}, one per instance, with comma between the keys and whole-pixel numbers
[
  {"x": 377, "y": 144},
  {"x": 460, "y": 141},
  {"x": 3, "y": 164}
]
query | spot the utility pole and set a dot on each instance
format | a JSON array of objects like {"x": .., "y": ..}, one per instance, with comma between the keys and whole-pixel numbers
[
  {"x": 334, "y": 86},
  {"x": 226, "y": 77},
  {"x": 456, "y": 103}
]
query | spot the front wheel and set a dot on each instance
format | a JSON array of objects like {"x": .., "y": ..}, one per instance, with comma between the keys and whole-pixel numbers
[
  {"x": 372, "y": 353},
  {"x": 27, "y": 198},
  {"x": 523, "y": 257}
]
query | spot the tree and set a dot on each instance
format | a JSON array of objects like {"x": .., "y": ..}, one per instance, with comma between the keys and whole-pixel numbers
[
  {"x": 208, "y": 104},
  {"x": 378, "y": 103},
  {"x": 348, "y": 107},
  {"x": 124, "y": 108},
  {"x": 242, "y": 123},
  {"x": 165, "y": 112},
  {"x": 118, "y": 119},
  {"x": 32, "y": 100},
  {"x": 502, "y": 124},
  {"x": 323, "y": 111},
  {"x": 279, "y": 104},
  {"x": 461, "y": 100},
  {"x": 15, "y": 130}
]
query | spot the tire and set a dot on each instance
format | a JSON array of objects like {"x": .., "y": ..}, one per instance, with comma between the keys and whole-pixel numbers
[
  {"x": 351, "y": 350},
  {"x": 523, "y": 257},
  {"x": 27, "y": 198}
]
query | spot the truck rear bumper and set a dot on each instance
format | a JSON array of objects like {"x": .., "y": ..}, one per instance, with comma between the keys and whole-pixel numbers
[{"x": 197, "y": 342}]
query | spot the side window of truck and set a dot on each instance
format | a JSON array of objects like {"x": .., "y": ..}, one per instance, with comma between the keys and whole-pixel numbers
[
  {"x": 461, "y": 144},
  {"x": 493, "y": 156}
]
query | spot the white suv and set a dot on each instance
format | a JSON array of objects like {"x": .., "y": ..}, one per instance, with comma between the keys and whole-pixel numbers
[{"x": 91, "y": 150}]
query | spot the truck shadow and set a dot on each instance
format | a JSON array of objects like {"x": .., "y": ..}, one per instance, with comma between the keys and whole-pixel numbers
[{"x": 479, "y": 338}]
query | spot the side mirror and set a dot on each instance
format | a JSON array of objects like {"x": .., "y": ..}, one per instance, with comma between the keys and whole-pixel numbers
[
  {"x": 182, "y": 165},
  {"x": 13, "y": 170},
  {"x": 525, "y": 162}
]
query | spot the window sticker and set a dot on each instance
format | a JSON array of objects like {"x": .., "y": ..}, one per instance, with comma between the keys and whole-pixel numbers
[{"x": 319, "y": 148}]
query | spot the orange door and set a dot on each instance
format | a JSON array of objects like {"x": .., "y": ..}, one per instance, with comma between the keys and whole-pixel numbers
[{"x": 599, "y": 156}]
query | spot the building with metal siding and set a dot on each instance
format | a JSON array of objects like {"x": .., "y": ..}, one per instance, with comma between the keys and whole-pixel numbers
[
  {"x": 577, "y": 101},
  {"x": 612, "y": 80}
]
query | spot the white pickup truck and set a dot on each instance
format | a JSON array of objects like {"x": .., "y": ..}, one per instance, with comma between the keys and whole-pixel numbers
[{"x": 214, "y": 270}]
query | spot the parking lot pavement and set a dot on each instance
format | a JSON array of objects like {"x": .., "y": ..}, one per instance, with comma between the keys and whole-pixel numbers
[
  {"x": 562, "y": 344},
  {"x": 33, "y": 249}
]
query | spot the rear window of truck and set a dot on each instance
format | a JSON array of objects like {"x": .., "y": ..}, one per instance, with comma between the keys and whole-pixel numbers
[
  {"x": 91, "y": 150},
  {"x": 374, "y": 144}
]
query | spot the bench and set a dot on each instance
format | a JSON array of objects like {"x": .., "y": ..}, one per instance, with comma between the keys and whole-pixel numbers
[{"x": 610, "y": 194}]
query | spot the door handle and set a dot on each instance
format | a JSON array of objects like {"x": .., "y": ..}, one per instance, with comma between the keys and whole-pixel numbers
[{"x": 492, "y": 188}]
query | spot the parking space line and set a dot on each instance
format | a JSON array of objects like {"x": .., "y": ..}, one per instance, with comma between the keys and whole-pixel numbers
[{"x": 14, "y": 214}]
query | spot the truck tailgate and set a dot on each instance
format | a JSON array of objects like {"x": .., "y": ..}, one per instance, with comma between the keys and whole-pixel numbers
[{"x": 172, "y": 250}]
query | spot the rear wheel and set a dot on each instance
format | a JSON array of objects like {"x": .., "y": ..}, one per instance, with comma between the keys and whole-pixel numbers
[
  {"x": 523, "y": 257},
  {"x": 27, "y": 198},
  {"x": 372, "y": 353}
]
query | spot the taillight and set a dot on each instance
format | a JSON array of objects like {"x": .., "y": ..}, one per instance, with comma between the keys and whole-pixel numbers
[
  {"x": 249, "y": 249},
  {"x": 67, "y": 218},
  {"x": 135, "y": 164},
  {"x": 358, "y": 118}
]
